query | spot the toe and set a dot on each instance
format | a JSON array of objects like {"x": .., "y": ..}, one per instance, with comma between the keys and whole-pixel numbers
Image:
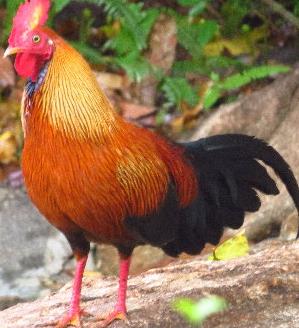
[
  {"x": 115, "y": 315},
  {"x": 70, "y": 321}
]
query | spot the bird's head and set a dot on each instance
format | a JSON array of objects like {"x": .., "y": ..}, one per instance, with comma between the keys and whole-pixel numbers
[{"x": 29, "y": 40}]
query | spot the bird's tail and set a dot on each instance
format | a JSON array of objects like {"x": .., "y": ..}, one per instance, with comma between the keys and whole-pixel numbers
[{"x": 229, "y": 173}]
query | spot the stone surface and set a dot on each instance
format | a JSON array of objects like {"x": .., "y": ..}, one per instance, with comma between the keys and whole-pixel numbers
[
  {"x": 262, "y": 290},
  {"x": 31, "y": 249},
  {"x": 258, "y": 114},
  {"x": 22, "y": 243}
]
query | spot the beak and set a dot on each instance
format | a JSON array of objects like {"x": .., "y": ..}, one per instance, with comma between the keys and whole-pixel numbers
[{"x": 11, "y": 51}]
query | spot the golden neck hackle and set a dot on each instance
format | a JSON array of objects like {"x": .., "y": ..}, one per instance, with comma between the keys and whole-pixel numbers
[{"x": 71, "y": 100}]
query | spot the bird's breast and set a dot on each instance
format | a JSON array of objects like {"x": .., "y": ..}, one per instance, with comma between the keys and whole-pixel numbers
[{"x": 93, "y": 186}]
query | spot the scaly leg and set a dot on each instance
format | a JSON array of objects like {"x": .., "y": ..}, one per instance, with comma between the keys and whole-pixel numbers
[
  {"x": 120, "y": 309},
  {"x": 80, "y": 246},
  {"x": 73, "y": 316}
]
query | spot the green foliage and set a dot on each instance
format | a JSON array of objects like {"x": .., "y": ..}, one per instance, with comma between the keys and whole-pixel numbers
[
  {"x": 296, "y": 7},
  {"x": 197, "y": 312},
  {"x": 11, "y": 8},
  {"x": 132, "y": 38},
  {"x": 233, "y": 11},
  {"x": 197, "y": 6},
  {"x": 177, "y": 91},
  {"x": 60, "y": 4},
  {"x": 194, "y": 36},
  {"x": 230, "y": 249},
  {"x": 91, "y": 54},
  {"x": 136, "y": 24},
  {"x": 238, "y": 80},
  {"x": 212, "y": 45},
  {"x": 136, "y": 66}
]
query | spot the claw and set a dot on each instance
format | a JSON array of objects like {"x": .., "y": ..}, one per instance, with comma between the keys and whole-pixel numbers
[
  {"x": 70, "y": 320},
  {"x": 115, "y": 315}
]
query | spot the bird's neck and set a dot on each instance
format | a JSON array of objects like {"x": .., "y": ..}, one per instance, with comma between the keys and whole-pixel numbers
[{"x": 67, "y": 95}]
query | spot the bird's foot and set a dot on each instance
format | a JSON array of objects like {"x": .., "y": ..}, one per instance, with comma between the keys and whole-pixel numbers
[
  {"x": 115, "y": 315},
  {"x": 72, "y": 319}
]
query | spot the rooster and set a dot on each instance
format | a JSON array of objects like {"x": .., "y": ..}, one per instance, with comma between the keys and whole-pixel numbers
[{"x": 98, "y": 178}]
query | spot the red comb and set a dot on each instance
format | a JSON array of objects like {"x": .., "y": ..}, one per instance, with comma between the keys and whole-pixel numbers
[{"x": 31, "y": 14}]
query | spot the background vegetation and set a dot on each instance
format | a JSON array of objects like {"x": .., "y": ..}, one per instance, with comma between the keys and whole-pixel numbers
[{"x": 217, "y": 49}]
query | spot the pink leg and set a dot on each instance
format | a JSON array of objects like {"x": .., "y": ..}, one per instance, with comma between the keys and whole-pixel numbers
[
  {"x": 73, "y": 315},
  {"x": 123, "y": 281},
  {"x": 120, "y": 310}
]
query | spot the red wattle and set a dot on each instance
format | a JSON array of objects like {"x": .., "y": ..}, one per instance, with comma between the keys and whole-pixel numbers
[{"x": 28, "y": 65}]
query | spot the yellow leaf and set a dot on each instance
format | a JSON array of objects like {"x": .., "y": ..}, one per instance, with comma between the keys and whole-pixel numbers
[
  {"x": 244, "y": 44},
  {"x": 8, "y": 147},
  {"x": 232, "y": 248}
]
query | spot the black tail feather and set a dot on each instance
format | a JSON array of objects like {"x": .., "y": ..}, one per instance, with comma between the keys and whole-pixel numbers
[{"x": 228, "y": 174}]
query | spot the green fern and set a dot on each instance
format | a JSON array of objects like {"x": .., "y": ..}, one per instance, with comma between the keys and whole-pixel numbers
[
  {"x": 239, "y": 80},
  {"x": 60, "y": 4},
  {"x": 11, "y": 8},
  {"x": 136, "y": 66},
  {"x": 177, "y": 90},
  {"x": 132, "y": 38},
  {"x": 197, "y": 6},
  {"x": 135, "y": 21},
  {"x": 194, "y": 36},
  {"x": 93, "y": 55}
]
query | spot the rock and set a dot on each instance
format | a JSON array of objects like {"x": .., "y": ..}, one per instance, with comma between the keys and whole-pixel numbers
[
  {"x": 289, "y": 227},
  {"x": 57, "y": 253},
  {"x": 8, "y": 301},
  {"x": 31, "y": 249},
  {"x": 22, "y": 242},
  {"x": 258, "y": 114},
  {"x": 262, "y": 290}
]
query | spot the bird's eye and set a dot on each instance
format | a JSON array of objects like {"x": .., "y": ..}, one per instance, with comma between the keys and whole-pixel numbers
[{"x": 36, "y": 38}]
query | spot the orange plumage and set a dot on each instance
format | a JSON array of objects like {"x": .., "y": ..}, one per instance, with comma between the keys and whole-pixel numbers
[
  {"x": 108, "y": 170},
  {"x": 98, "y": 178}
]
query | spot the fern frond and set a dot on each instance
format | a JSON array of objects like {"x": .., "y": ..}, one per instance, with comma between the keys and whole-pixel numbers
[
  {"x": 132, "y": 17},
  {"x": 239, "y": 80}
]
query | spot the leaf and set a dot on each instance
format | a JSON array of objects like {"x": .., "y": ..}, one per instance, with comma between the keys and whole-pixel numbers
[
  {"x": 194, "y": 36},
  {"x": 198, "y": 8},
  {"x": 184, "y": 67},
  {"x": 188, "y": 3},
  {"x": 178, "y": 90},
  {"x": 136, "y": 67},
  {"x": 233, "y": 11},
  {"x": 237, "y": 46},
  {"x": 211, "y": 96},
  {"x": 230, "y": 249},
  {"x": 198, "y": 312},
  {"x": 11, "y": 9},
  {"x": 123, "y": 43},
  {"x": 136, "y": 21},
  {"x": 8, "y": 147},
  {"x": 93, "y": 55},
  {"x": 238, "y": 80},
  {"x": 60, "y": 4}
]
